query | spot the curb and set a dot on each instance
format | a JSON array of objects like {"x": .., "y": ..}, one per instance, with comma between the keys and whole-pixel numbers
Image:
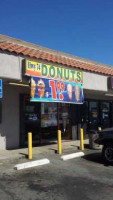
[
  {"x": 32, "y": 164},
  {"x": 73, "y": 155}
]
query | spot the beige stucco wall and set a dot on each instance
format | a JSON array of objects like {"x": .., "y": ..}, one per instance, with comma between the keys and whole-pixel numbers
[
  {"x": 9, "y": 128},
  {"x": 11, "y": 68},
  {"x": 92, "y": 81}
]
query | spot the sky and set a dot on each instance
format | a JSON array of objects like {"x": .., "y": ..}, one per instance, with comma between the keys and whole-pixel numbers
[{"x": 82, "y": 28}]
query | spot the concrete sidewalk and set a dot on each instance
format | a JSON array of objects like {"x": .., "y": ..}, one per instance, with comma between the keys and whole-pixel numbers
[{"x": 67, "y": 146}]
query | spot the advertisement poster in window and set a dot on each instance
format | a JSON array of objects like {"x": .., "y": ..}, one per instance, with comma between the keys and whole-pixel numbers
[{"x": 48, "y": 114}]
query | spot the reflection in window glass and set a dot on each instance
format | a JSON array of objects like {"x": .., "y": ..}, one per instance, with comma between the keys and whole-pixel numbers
[
  {"x": 93, "y": 111},
  {"x": 105, "y": 108},
  {"x": 48, "y": 114}
]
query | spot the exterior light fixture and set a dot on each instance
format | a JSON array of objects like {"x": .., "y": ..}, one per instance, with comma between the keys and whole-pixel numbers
[
  {"x": 19, "y": 84},
  {"x": 108, "y": 94}
]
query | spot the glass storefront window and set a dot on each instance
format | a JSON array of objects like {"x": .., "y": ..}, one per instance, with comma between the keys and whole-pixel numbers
[
  {"x": 48, "y": 114},
  {"x": 30, "y": 113},
  {"x": 99, "y": 114},
  {"x": 105, "y": 108},
  {"x": 105, "y": 114},
  {"x": 64, "y": 115},
  {"x": 93, "y": 111}
]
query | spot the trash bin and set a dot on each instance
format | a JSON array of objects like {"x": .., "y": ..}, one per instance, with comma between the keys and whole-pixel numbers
[{"x": 93, "y": 135}]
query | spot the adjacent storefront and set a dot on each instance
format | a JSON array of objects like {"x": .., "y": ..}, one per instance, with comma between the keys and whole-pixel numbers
[{"x": 99, "y": 114}]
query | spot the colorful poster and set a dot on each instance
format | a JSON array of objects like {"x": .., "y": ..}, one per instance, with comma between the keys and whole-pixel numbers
[
  {"x": 48, "y": 114},
  {"x": 49, "y": 90},
  {"x": 36, "y": 69}
]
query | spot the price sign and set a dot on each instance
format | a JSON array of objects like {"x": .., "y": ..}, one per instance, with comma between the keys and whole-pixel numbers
[
  {"x": 57, "y": 88},
  {"x": 49, "y": 90}
]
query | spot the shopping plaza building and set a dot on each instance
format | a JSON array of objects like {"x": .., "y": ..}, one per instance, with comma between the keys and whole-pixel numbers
[{"x": 44, "y": 90}]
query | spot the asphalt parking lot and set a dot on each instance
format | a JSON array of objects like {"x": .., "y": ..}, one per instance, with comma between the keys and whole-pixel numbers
[{"x": 78, "y": 178}]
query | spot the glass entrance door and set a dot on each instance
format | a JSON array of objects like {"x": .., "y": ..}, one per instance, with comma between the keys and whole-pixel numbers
[
  {"x": 49, "y": 120},
  {"x": 29, "y": 121},
  {"x": 99, "y": 115},
  {"x": 105, "y": 114},
  {"x": 93, "y": 115}
]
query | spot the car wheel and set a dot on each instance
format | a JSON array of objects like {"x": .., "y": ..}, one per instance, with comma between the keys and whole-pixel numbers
[{"x": 107, "y": 153}]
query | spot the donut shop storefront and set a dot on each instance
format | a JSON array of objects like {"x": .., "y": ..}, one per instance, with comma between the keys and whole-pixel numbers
[
  {"x": 54, "y": 92},
  {"x": 44, "y": 90}
]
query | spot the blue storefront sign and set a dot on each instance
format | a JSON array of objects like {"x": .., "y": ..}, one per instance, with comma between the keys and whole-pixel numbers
[
  {"x": 1, "y": 88},
  {"x": 49, "y": 90}
]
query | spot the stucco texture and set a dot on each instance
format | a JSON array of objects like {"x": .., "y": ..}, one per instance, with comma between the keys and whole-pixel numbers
[{"x": 9, "y": 127}]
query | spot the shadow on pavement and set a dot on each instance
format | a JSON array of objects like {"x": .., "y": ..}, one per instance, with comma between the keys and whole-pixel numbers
[
  {"x": 96, "y": 158},
  {"x": 24, "y": 154},
  {"x": 86, "y": 146},
  {"x": 55, "y": 151}
]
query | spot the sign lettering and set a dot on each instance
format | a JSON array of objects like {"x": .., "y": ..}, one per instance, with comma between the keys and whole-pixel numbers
[{"x": 36, "y": 69}]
